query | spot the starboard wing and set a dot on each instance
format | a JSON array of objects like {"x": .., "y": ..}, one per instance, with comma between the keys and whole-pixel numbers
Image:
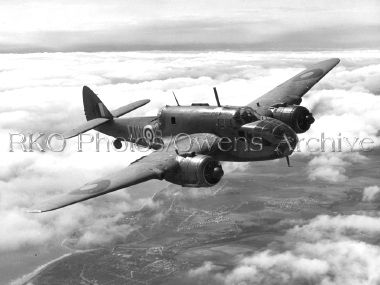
[
  {"x": 149, "y": 167},
  {"x": 152, "y": 166}
]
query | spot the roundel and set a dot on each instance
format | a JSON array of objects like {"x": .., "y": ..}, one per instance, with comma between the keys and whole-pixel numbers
[
  {"x": 313, "y": 73},
  {"x": 92, "y": 188},
  {"x": 148, "y": 133},
  {"x": 307, "y": 74}
]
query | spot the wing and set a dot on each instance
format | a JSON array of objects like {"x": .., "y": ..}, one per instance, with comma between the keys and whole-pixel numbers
[
  {"x": 292, "y": 90},
  {"x": 149, "y": 167},
  {"x": 152, "y": 166}
]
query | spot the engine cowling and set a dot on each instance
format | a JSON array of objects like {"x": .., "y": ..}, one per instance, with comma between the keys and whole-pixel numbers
[
  {"x": 196, "y": 171},
  {"x": 298, "y": 117}
]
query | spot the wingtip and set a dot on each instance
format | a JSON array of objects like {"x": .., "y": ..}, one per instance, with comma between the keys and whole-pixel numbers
[
  {"x": 335, "y": 60},
  {"x": 34, "y": 211},
  {"x": 327, "y": 64}
]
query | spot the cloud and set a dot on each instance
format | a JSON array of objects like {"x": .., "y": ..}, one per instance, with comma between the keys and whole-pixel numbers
[
  {"x": 29, "y": 178},
  {"x": 42, "y": 92},
  {"x": 370, "y": 193},
  {"x": 205, "y": 268},
  {"x": 231, "y": 167},
  {"x": 331, "y": 167},
  {"x": 348, "y": 114},
  {"x": 150, "y": 25},
  {"x": 325, "y": 250}
]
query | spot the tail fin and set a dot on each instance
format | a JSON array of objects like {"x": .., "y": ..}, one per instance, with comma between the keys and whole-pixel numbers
[{"x": 93, "y": 106}]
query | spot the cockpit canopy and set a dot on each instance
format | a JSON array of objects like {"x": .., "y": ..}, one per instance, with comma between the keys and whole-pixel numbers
[{"x": 245, "y": 115}]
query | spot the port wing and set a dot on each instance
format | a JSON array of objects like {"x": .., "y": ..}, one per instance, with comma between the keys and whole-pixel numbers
[{"x": 291, "y": 91}]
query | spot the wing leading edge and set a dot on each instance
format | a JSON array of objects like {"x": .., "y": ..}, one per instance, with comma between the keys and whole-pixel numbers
[
  {"x": 292, "y": 90},
  {"x": 149, "y": 167}
]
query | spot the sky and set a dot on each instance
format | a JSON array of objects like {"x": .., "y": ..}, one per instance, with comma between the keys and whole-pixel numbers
[{"x": 119, "y": 25}]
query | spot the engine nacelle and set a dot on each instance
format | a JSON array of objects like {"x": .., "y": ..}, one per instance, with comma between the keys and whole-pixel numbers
[
  {"x": 196, "y": 171},
  {"x": 298, "y": 117}
]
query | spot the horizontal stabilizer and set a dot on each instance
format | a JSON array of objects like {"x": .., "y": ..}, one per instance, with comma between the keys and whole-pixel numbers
[
  {"x": 85, "y": 127},
  {"x": 128, "y": 108}
]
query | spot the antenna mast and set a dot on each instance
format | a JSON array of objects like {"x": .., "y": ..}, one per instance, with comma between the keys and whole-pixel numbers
[
  {"x": 175, "y": 98},
  {"x": 216, "y": 97}
]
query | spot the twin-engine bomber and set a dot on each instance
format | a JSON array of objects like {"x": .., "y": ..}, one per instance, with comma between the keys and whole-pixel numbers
[{"x": 203, "y": 135}]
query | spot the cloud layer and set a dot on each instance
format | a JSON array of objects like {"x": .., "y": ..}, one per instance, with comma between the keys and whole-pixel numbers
[
  {"x": 182, "y": 25},
  {"x": 326, "y": 250},
  {"x": 42, "y": 92}
]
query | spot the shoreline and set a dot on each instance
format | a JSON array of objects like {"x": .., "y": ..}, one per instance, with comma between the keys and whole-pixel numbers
[{"x": 25, "y": 279}]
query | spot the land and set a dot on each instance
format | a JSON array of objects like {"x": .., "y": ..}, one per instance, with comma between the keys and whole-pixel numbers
[{"x": 249, "y": 210}]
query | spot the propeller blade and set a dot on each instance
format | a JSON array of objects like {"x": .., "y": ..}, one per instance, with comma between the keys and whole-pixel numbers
[{"x": 288, "y": 161}]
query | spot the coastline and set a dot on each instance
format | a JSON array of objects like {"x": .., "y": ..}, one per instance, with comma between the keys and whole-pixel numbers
[{"x": 25, "y": 279}]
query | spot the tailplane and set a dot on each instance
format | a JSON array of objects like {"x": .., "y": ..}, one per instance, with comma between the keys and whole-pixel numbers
[
  {"x": 97, "y": 114},
  {"x": 93, "y": 106}
]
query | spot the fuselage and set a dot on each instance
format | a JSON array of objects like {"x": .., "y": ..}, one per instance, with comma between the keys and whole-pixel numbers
[{"x": 245, "y": 134}]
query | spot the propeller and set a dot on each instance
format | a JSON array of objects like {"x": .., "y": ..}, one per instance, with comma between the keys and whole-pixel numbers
[{"x": 288, "y": 161}]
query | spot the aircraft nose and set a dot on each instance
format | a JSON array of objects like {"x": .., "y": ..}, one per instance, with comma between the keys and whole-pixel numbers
[
  {"x": 286, "y": 139},
  {"x": 280, "y": 136}
]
